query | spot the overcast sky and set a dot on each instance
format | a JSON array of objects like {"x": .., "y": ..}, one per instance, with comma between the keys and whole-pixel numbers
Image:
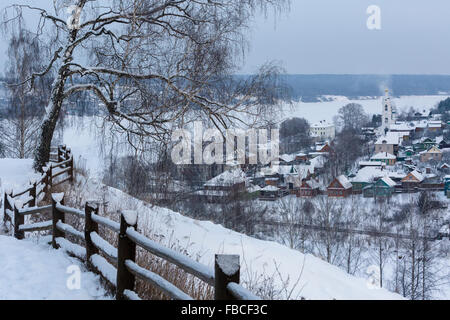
[{"x": 331, "y": 36}]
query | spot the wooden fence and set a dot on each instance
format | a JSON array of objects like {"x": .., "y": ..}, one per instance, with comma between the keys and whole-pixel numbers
[
  {"x": 117, "y": 265},
  {"x": 15, "y": 213}
]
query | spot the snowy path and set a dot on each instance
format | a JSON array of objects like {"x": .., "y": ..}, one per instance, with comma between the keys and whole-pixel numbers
[{"x": 36, "y": 271}]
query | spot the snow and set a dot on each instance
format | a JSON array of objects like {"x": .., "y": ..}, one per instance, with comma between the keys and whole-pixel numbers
[
  {"x": 383, "y": 156},
  {"x": 227, "y": 178},
  {"x": 391, "y": 138},
  {"x": 36, "y": 271},
  {"x": 418, "y": 175},
  {"x": 158, "y": 281},
  {"x": 15, "y": 174},
  {"x": 270, "y": 189},
  {"x": 319, "y": 111},
  {"x": 106, "y": 269},
  {"x": 204, "y": 239},
  {"x": 104, "y": 245},
  {"x": 344, "y": 182},
  {"x": 389, "y": 181},
  {"x": 229, "y": 264},
  {"x": 130, "y": 217},
  {"x": 368, "y": 174}
]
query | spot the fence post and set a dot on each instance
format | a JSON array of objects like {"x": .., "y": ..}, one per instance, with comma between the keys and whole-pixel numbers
[
  {"x": 33, "y": 194},
  {"x": 18, "y": 221},
  {"x": 226, "y": 270},
  {"x": 71, "y": 168},
  {"x": 59, "y": 158},
  {"x": 56, "y": 216},
  {"x": 5, "y": 207},
  {"x": 50, "y": 177},
  {"x": 90, "y": 226},
  {"x": 126, "y": 251}
]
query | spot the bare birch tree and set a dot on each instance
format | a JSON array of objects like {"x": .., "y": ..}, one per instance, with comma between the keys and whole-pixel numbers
[{"x": 152, "y": 64}]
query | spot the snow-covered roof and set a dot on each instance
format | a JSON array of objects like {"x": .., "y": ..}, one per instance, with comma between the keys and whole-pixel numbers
[
  {"x": 322, "y": 124},
  {"x": 383, "y": 156},
  {"x": 313, "y": 184},
  {"x": 401, "y": 127},
  {"x": 390, "y": 138},
  {"x": 270, "y": 188},
  {"x": 227, "y": 178},
  {"x": 388, "y": 181},
  {"x": 287, "y": 157},
  {"x": 370, "y": 164},
  {"x": 417, "y": 175},
  {"x": 344, "y": 182},
  {"x": 432, "y": 150},
  {"x": 368, "y": 174}
]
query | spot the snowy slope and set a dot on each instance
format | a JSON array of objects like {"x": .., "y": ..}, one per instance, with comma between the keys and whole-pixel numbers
[
  {"x": 33, "y": 271},
  {"x": 201, "y": 239}
]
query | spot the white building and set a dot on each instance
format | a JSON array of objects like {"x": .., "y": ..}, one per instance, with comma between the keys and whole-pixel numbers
[
  {"x": 323, "y": 130},
  {"x": 389, "y": 112}
]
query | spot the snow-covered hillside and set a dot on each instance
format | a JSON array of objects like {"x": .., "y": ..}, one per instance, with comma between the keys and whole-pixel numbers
[{"x": 201, "y": 239}]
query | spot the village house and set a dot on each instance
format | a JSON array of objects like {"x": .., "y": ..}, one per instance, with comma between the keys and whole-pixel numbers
[
  {"x": 375, "y": 164},
  {"x": 340, "y": 187},
  {"x": 224, "y": 186},
  {"x": 385, "y": 157},
  {"x": 309, "y": 188},
  {"x": 435, "y": 126},
  {"x": 389, "y": 143},
  {"x": 270, "y": 193},
  {"x": 383, "y": 187},
  {"x": 323, "y": 130},
  {"x": 445, "y": 167},
  {"x": 424, "y": 144},
  {"x": 431, "y": 154},
  {"x": 412, "y": 180},
  {"x": 301, "y": 157}
]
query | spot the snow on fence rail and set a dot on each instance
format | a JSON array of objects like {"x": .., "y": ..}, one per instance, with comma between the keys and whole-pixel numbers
[
  {"x": 118, "y": 265},
  {"x": 15, "y": 212}
]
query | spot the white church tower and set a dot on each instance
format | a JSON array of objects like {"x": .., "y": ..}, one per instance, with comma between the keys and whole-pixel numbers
[{"x": 389, "y": 112}]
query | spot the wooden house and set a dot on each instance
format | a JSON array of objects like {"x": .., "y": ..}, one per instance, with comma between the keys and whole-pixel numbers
[
  {"x": 270, "y": 193},
  {"x": 432, "y": 153},
  {"x": 383, "y": 187},
  {"x": 385, "y": 157},
  {"x": 412, "y": 180},
  {"x": 340, "y": 187},
  {"x": 309, "y": 188}
]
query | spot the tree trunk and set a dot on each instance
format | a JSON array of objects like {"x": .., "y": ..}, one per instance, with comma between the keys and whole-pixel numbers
[{"x": 42, "y": 155}]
